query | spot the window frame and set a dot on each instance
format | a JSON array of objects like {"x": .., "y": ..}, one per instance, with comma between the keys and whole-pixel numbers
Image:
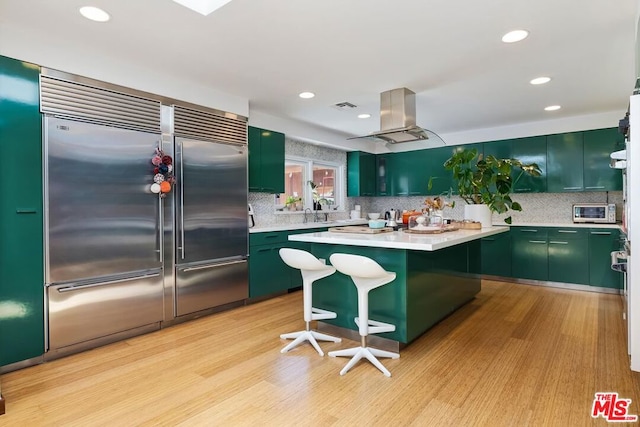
[{"x": 307, "y": 173}]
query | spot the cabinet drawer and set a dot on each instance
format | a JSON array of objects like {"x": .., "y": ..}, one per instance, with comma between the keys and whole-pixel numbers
[
  {"x": 567, "y": 233},
  {"x": 268, "y": 237},
  {"x": 538, "y": 233}
]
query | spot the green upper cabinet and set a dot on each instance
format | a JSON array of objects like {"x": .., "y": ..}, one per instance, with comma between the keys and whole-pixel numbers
[
  {"x": 564, "y": 162},
  {"x": 527, "y": 150},
  {"x": 531, "y": 150},
  {"x": 21, "y": 213},
  {"x": 441, "y": 180},
  {"x": 598, "y": 145},
  {"x": 361, "y": 174},
  {"x": 400, "y": 173},
  {"x": 266, "y": 161},
  {"x": 384, "y": 164}
]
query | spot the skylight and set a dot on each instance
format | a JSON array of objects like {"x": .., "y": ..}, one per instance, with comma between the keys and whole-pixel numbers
[{"x": 203, "y": 7}]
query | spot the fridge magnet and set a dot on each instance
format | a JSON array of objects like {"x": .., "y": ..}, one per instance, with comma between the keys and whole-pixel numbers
[{"x": 162, "y": 173}]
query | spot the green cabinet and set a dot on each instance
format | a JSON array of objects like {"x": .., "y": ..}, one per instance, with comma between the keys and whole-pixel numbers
[
  {"x": 440, "y": 177},
  {"x": 383, "y": 174},
  {"x": 564, "y": 167},
  {"x": 496, "y": 255},
  {"x": 361, "y": 174},
  {"x": 601, "y": 243},
  {"x": 529, "y": 253},
  {"x": 266, "y": 160},
  {"x": 527, "y": 150},
  {"x": 531, "y": 150},
  {"x": 598, "y": 146},
  {"x": 268, "y": 274},
  {"x": 21, "y": 213},
  {"x": 568, "y": 259},
  {"x": 400, "y": 173},
  {"x": 579, "y": 161}
]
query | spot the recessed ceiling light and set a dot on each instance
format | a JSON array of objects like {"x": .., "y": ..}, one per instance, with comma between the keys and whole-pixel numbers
[
  {"x": 540, "y": 80},
  {"x": 307, "y": 95},
  {"x": 94, "y": 14},
  {"x": 203, "y": 7},
  {"x": 364, "y": 116},
  {"x": 515, "y": 36},
  {"x": 552, "y": 108}
]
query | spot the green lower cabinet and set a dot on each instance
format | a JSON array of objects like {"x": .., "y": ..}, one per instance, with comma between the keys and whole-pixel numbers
[
  {"x": 268, "y": 274},
  {"x": 496, "y": 255},
  {"x": 21, "y": 214},
  {"x": 529, "y": 255},
  {"x": 568, "y": 255},
  {"x": 601, "y": 243}
]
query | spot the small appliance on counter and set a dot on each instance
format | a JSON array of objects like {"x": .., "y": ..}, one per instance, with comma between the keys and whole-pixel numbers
[{"x": 601, "y": 213}]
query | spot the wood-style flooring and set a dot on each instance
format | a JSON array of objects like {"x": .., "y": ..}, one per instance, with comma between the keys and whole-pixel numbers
[{"x": 518, "y": 355}]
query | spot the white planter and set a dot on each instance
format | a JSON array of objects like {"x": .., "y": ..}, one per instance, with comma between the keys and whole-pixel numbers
[{"x": 480, "y": 213}]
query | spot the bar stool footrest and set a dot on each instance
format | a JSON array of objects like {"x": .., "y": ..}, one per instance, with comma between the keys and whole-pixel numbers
[
  {"x": 375, "y": 327},
  {"x": 320, "y": 314}
]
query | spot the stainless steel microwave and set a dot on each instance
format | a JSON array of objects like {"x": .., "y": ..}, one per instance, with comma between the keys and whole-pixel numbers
[{"x": 594, "y": 212}]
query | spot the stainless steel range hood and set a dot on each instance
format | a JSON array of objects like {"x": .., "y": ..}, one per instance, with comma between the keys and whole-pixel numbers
[{"x": 397, "y": 118}]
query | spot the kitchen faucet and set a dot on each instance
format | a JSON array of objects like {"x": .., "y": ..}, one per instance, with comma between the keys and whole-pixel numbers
[{"x": 305, "y": 220}]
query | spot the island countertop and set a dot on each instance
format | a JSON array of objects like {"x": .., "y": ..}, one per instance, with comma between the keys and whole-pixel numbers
[{"x": 399, "y": 239}]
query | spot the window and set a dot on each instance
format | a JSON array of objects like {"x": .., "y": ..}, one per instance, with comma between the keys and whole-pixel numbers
[{"x": 312, "y": 184}]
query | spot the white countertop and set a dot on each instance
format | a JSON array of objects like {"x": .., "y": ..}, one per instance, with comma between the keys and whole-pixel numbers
[
  {"x": 555, "y": 224},
  {"x": 399, "y": 239},
  {"x": 302, "y": 226}
]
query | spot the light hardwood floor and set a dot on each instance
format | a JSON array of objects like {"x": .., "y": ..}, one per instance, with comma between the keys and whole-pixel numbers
[{"x": 517, "y": 355}]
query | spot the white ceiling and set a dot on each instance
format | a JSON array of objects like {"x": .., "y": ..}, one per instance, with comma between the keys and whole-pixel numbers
[{"x": 448, "y": 52}]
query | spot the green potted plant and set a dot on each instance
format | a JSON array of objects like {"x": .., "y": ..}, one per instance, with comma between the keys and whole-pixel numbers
[
  {"x": 486, "y": 183},
  {"x": 291, "y": 202}
]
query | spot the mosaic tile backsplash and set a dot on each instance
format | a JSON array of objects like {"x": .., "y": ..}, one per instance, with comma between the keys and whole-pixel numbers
[{"x": 553, "y": 208}]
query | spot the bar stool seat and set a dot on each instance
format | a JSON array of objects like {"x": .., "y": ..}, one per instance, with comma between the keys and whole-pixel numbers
[
  {"x": 367, "y": 275},
  {"x": 312, "y": 269}
]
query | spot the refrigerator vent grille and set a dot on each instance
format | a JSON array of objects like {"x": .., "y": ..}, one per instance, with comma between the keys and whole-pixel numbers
[
  {"x": 76, "y": 101},
  {"x": 223, "y": 127}
]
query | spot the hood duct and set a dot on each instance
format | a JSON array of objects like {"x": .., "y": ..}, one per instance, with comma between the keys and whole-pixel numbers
[{"x": 397, "y": 118}]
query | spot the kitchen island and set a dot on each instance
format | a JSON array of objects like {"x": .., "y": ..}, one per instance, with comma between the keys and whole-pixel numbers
[{"x": 435, "y": 275}]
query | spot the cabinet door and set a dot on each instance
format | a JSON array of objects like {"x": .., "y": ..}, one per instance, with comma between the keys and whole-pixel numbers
[
  {"x": 254, "y": 162},
  {"x": 496, "y": 255},
  {"x": 601, "y": 243},
  {"x": 564, "y": 162},
  {"x": 498, "y": 149},
  {"x": 383, "y": 175},
  {"x": 272, "y": 157},
  {"x": 21, "y": 247},
  {"x": 400, "y": 173},
  {"x": 361, "y": 174},
  {"x": 266, "y": 160},
  {"x": 418, "y": 169},
  {"x": 440, "y": 177},
  {"x": 598, "y": 145},
  {"x": 268, "y": 274},
  {"x": 529, "y": 253},
  {"x": 531, "y": 150},
  {"x": 568, "y": 260}
]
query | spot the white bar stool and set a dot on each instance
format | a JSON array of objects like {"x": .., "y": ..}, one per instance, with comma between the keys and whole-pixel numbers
[
  {"x": 312, "y": 269},
  {"x": 366, "y": 275}
]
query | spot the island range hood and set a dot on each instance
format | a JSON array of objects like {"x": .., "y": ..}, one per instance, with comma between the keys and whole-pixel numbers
[{"x": 397, "y": 118}]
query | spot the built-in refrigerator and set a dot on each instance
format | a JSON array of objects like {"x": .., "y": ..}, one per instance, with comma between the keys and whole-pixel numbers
[{"x": 121, "y": 259}]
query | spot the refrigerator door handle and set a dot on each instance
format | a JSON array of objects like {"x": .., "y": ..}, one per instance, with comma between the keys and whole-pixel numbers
[
  {"x": 110, "y": 282},
  {"x": 222, "y": 264},
  {"x": 160, "y": 232},
  {"x": 181, "y": 201}
]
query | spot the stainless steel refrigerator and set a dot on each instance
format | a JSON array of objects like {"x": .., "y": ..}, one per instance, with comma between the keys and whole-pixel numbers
[{"x": 120, "y": 259}]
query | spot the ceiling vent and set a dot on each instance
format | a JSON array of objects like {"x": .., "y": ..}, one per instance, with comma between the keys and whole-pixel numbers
[{"x": 345, "y": 106}]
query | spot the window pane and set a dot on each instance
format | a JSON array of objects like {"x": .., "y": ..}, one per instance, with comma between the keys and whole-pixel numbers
[
  {"x": 324, "y": 177},
  {"x": 293, "y": 186}
]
